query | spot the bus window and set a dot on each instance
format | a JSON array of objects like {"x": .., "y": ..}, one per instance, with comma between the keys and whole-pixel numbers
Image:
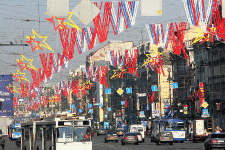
[
  {"x": 65, "y": 134},
  {"x": 48, "y": 133},
  {"x": 39, "y": 133},
  {"x": 168, "y": 126},
  {"x": 82, "y": 134},
  {"x": 180, "y": 126}
]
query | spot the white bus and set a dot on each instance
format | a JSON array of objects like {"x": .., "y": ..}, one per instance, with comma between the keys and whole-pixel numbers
[{"x": 73, "y": 134}]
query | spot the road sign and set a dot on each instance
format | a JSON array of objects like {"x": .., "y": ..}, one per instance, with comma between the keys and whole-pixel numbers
[
  {"x": 120, "y": 91},
  {"x": 90, "y": 110},
  {"x": 109, "y": 109},
  {"x": 142, "y": 113},
  {"x": 205, "y": 111},
  {"x": 154, "y": 87},
  {"x": 72, "y": 106},
  {"x": 69, "y": 111},
  {"x": 128, "y": 90},
  {"x": 80, "y": 110},
  {"x": 100, "y": 105},
  {"x": 122, "y": 102},
  {"x": 89, "y": 105},
  {"x": 205, "y": 104},
  {"x": 175, "y": 85},
  {"x": 108, "y": 91}
]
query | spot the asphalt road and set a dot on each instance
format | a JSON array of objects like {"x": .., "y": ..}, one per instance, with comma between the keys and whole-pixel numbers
[{"x": 99, "y": 144}]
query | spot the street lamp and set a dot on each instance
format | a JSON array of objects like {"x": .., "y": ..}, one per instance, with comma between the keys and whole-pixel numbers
[{"x": 169, "y": 79}]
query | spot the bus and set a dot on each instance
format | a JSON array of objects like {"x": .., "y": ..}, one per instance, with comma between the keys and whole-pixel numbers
[
  {"x": 176, "y": 126},
  {"x": 73, "y": 133},
  {"x": 56, "y": 135},
  {"x": 14, "y": 131},
  {"x": 38, "y": 135}
]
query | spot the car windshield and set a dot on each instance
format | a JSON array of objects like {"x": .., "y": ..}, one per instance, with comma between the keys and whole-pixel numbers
[
  {"x": 218, "y": 136},
  {"x": 119, "y": 129}
]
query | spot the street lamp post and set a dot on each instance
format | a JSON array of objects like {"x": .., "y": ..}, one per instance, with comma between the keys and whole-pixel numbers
[{"x": 169, "y": 79}]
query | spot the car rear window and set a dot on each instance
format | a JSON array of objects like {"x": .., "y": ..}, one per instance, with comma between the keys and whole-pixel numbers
[
  {"x": 218, "y": 136},
  {"x": 140, "y": 129},
  {"x": 130, "y": 134}
]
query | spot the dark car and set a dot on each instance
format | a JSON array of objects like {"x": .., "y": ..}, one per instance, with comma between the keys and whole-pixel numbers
[
  {"x": 111, "y": 137},
  {"x": 101, "y": 132},
  {"x": 215, "y": 140},
  {"x": 164, "y": 137},
  {"x": 120, "y": 131},
  {"x": 2, "y": 140},
  {"x": 130, "y": 138}
]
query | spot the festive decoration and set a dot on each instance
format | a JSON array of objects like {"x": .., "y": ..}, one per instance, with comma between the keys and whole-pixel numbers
[
  {"x": 73, "y": 24},
  {"x": 11, "y": 89},
  {"x": 59, "y": 21},
  {"x": 37, "y": 46},
  {"x": 20, "y": 77},
  {"x": 118, "y": 73},
  {"x": 45, "y": 37},
  {"x": 24, "y": 66}
]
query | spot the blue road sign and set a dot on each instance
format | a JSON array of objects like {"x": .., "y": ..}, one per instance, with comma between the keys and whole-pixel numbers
[
  {"x": 69, "y": 111},
  {"x": 90, "y": 110},
  {"x": 205, "y": 111},
  {"x": 89, "y": 105},
  {"x": 175, "y": 85},
  {"x": 100, "y": 105},
  {"x": 108, "y": 91},
  {"x": 154, "y": 87},
  {"x": 128, "y": 90},
  {"x": 109, "y": 109},
  {"x": 142, "y": 113},
  {"x": 72, "y": 106},
  {"x": 106, "y": 124},
  {"x": 122, "y": 102},
  {"x": 80, "y": 110}
]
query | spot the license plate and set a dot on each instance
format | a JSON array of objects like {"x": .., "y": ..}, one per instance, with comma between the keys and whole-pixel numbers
[
  {"x": 220, "y": 140},
  {"x": 166, "y": 137}
]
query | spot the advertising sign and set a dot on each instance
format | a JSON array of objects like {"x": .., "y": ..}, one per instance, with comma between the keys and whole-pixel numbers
[
  {"x": 6, "y": 97},
  {"x": 199, "y": 127}
]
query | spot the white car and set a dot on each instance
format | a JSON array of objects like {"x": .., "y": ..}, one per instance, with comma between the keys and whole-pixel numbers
[{"x": 138, "y": 128}]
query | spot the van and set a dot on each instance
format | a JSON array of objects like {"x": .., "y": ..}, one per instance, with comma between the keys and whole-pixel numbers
[{"x": 138, "y": 128}]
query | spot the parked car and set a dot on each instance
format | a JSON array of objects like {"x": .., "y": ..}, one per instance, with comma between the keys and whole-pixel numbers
[
  {"x": 164, "y": 137},
  {"x": 215, "y": 140},
  {"x": 112, "y": 136},
  {"x": 101, "y": 131},
  {"x": 120, "y": 131},
  {"x": 130, "y": 138},
  {"x": 2, "y": 140}
]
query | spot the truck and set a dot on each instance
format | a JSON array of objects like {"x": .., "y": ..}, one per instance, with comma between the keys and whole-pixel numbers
[{"x": 201, "y": 129}]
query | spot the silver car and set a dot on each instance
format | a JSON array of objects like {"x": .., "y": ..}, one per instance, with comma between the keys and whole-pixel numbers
[
  {"x": 164, "y": 137},
  {"x": 130, "y": 138},
  {"x": 215, "y": 140}
]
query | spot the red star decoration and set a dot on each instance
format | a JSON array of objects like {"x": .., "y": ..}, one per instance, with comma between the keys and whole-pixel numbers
[
  {"x": 36, "y": 43},
  {"x": 211, "y": 34},
  {"x": 120, "y": 74},
  {"x": 23, "y": 66},
  {"x": 61, "y": 24},
  {"x": 18, "y": 78}
]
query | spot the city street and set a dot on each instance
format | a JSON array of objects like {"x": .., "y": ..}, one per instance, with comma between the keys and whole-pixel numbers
[{"x": 99, "y": 144}]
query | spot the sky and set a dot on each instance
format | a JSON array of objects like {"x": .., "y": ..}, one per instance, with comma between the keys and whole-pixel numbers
[{"x": 19, "y": 17}]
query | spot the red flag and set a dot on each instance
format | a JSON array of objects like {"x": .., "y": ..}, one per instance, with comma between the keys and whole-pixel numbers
[
  {"x": 126, "y": 103},
  {"x": 192, "y": 95},
  {"x": 152, "y": 97}
]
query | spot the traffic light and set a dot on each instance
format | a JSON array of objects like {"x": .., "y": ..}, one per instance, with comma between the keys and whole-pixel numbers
[{"x": 0, "y": 105}]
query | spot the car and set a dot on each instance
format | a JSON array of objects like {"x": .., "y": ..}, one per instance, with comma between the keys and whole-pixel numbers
[
  {"x": 120, "y": 131},
  {"x": 215, "y": 140},
  {"x": 2, "y": 140},
  {"x": 130, "y": 138},
  {"x": 138, "y": 128},
  {"x": 164, "y": 137},
  {"x": 112, "y": 136},
  {"x": 139, "y": 136},
  {"x": 101, "y": 131}
]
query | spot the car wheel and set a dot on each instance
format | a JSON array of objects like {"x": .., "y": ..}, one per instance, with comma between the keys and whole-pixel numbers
[
  {"x": 106, "y": 141},
  {"x": 97, "y": 134},
  {"x": 116, "y": 141},
  {"x": 171, "y": 143},
  {"x": 143, "y": 140},
  {"x": 3, "y": 146}
]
